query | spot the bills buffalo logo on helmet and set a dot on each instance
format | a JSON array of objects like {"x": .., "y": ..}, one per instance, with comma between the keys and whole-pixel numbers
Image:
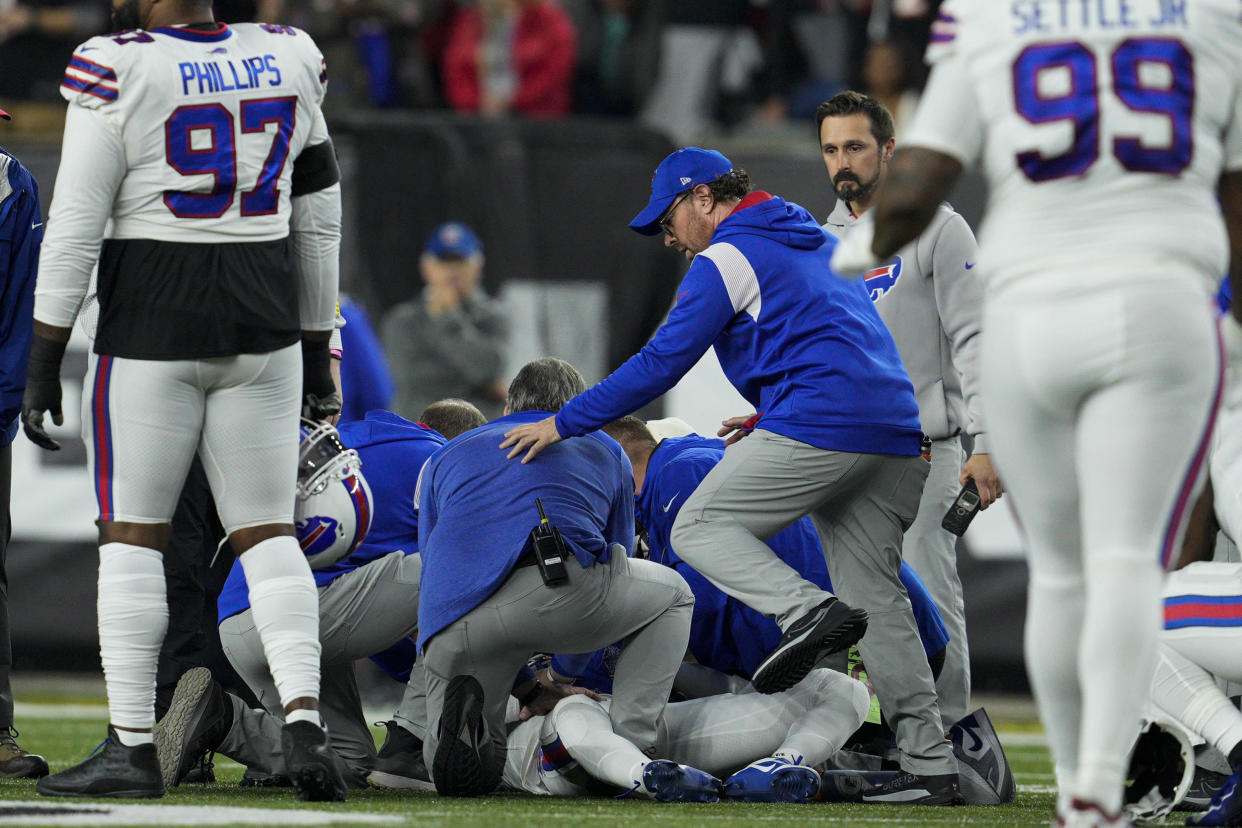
[
  {"x": 880, "y": 280},
  {"x": 317, "y": 533}
]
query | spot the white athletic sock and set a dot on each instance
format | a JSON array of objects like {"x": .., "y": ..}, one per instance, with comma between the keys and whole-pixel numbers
[
  {"x": 304, "y": 715},
  {"x": 1054, "y": 615},
  {"x": 1115, "y": 661},
  {"x": 586, "y": 732},
  {"x": 1186, "y": 691},
  {"x": 133, "y": 616},
  {"x": 285, "y": 606},
  {"x": 837, "y": 705},
  {"x": 131, "y": 738}
]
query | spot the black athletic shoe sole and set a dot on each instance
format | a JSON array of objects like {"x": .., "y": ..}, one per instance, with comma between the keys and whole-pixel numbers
[
  {"x": 310, "y": 763},
  {"x": 837, "y": 629},
  {"x": 458, "y": 766},
  {"x": 173, "y": 733}
]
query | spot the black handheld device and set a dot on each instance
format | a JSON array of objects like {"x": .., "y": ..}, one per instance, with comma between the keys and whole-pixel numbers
[
  {"x": 549, "y": 549},
  {"x": 963, "y": 510}
]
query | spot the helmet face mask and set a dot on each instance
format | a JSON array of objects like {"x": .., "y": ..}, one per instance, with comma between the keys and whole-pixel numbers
[
  {"x": 322, "y": 458},
  {"x": 333, "y": 509},
  {"x": 1162, "y": 768}
]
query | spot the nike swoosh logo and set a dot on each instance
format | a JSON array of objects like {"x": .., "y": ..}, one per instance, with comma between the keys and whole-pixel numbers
[
  {"x": 36, "y": 225},
  {"x": 970, "y": 265},
  {"x": 89, "y": 49},
  {"x": 669, "y": 505}
]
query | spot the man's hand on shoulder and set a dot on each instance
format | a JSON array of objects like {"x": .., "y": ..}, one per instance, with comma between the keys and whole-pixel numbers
[
  {"x": 531, "y": 438},
  {"x": 979, "y": 467}
]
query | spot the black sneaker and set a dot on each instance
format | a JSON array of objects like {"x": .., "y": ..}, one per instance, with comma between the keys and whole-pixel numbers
[
  {"x": 312, "y": 764},
  {"x": 255, "y": 778},
  {"x": 197, "y": 721},
  {"x": 16, "y": 763},
  {"x": 912, "y": 789},
  {"x": 400, "y": 764},
  {"x": 113, "y": 770},
  {"x": 463, "y": 764},
  {"x": 830, "y": 627}
]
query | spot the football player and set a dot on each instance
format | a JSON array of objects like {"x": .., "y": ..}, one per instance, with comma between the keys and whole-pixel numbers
[
  {"x": 572, "y": 750},
  {"x": 190, "y": 147},
  {"x": 1107, "y": 131},
  {"x": 361, "y": 534}
]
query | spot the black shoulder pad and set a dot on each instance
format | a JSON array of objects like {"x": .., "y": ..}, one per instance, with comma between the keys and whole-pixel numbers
[{"x": 315, "y": 169}]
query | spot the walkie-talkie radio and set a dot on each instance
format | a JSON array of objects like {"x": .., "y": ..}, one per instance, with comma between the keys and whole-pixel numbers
[
  {"x": 549, "y": 549},
  {"x": 963, "y": 510}
]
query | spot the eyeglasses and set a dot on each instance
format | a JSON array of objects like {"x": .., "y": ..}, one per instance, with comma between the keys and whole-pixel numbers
[{"x": 668, "y": 216}]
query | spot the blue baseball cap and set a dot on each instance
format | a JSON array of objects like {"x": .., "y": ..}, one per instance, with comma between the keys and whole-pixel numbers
[
  {"x": 684, "y": 169},
  {"x": 453, "y": 240}
]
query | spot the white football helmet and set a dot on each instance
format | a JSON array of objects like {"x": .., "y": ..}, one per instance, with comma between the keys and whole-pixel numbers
[
  {"x": 1162, "y": 768},
  {"x": 333, "y": 509}
]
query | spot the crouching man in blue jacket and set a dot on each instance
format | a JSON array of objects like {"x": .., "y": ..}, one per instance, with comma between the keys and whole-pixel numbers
[
  {"x": 485, "y": 608},
  {"x": 835, "y": 434}
]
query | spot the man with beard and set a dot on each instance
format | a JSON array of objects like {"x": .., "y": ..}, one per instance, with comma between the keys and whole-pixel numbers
[
  {"x": 931, "y": 298},
  {"x": 199, "y": 154},
  {"x": 835, "y": 434}
]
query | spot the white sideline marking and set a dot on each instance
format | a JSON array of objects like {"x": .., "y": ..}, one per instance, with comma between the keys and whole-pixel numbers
[
  {"x": 33, "y": 710},
  {"x": 1021, "y": 738},
  {"x": 1038, "y": 789},
  {"x": 67, "y": 812}
]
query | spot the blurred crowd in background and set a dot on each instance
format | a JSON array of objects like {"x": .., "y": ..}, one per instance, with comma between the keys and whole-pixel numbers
[{"x": 689, "y": 68}]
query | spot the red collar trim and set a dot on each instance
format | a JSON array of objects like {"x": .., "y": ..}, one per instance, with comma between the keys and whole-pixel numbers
[{"x": 755, "y": 197}]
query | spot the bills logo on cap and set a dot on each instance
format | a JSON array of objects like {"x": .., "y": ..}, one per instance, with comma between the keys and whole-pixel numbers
[
  {"x": 685, "y": 179},
  {"x": 880, "y": 280}
]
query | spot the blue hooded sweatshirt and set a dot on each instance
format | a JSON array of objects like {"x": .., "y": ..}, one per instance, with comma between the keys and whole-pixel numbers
[
  {"x": 808, "y": 349},
  {"x": 393, "y": 451}
]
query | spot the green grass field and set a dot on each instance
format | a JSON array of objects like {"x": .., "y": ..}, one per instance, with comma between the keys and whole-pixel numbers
[{"x": 65, "y": 733}]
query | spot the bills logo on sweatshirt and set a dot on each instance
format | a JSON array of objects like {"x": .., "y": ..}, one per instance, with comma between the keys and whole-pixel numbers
[{"x": 881, "y": 280}]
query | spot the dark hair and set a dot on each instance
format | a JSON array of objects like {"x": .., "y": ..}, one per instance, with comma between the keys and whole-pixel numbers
[
  {"x": 732, "y": 186},
  {"x": 544, "y": 384},
  {"x": 630, "y": 432},
  {"x": 452, "y": 417},
  {"x": 852, "y": 103}
]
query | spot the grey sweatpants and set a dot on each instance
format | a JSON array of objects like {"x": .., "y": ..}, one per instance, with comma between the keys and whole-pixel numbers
[
  {"x": 861, "y": 505},
  {"x": 644, "y": 605},
  {"x": 932, "y": 552},
  {"x": 360, "y": 613}
]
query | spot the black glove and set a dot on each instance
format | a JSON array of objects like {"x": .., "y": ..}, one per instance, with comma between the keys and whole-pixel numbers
[
  {"x": 319, "y": 398},
  {"x": 42, "y": 391}
]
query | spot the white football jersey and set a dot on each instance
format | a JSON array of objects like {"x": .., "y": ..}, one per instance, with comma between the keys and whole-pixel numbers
[
  {"x": 1102, "y": 125},
  {"x": 210, "y": 121}
]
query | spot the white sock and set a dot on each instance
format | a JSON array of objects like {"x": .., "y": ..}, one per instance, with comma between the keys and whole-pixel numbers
[
  {"x": 285, "y": 606},
  {"x": 1116, "y": 660},
  {"x": 133, "y": 616},
  {"x": 1186, "y": 691},
  {"x": 304, "y": 715},
  {"x": 1054, "y": 613},
  {"x": 131, "y": 738},
  {"x": 586, "y": 732}
]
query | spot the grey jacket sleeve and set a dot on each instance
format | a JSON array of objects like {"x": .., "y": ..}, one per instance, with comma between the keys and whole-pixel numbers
[{"x": 959, "y": 300}]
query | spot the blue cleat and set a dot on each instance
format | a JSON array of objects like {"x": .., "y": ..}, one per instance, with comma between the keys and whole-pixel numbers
[
  {"x": 772, "y": 780},
  {"x": 1225, "y": 807},
  {"x": 670, "y": 782}
]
